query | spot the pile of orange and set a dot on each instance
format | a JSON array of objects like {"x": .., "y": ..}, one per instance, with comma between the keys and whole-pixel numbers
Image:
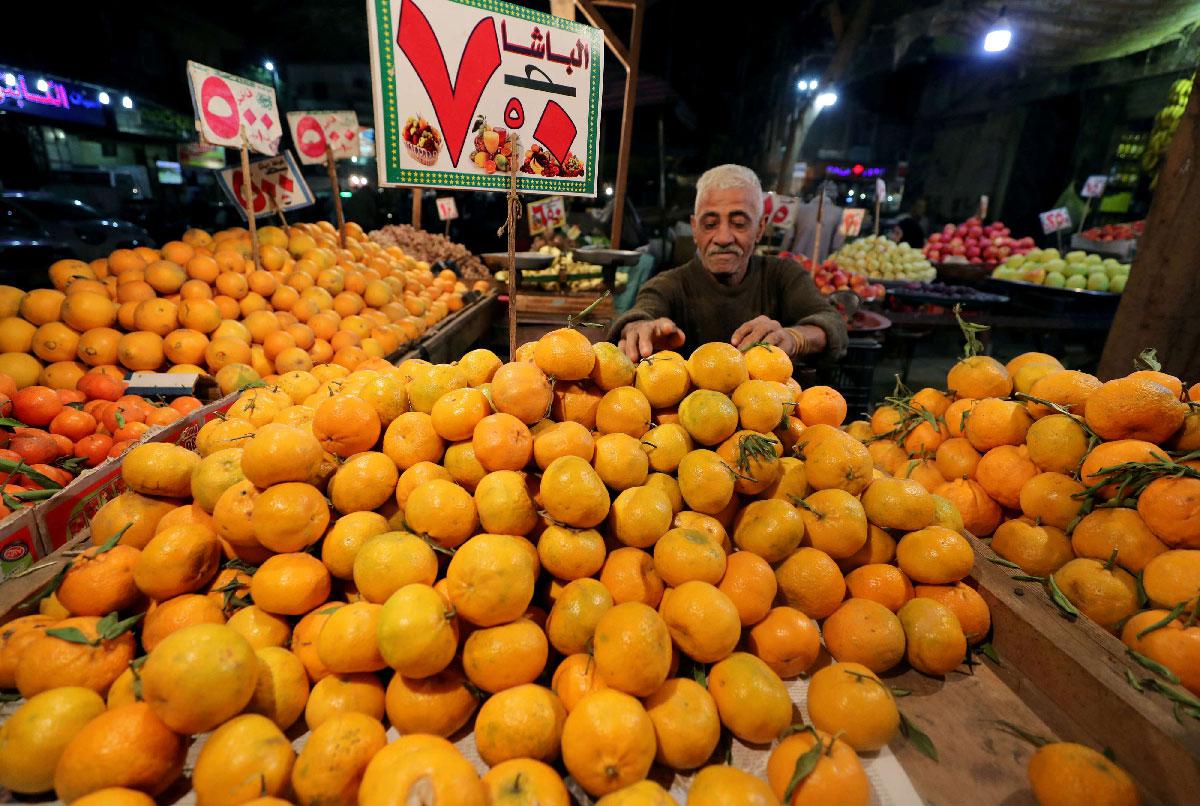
[
  {"x": 1093, "y": 485},
  {"x": 201, "y": 304},
  {"x": 594, "y": 574}
]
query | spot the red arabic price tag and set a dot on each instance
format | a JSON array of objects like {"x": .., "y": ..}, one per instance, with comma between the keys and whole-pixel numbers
[
  {"x": 852, "y": 219},
  {"x": 1093, "y": 188},
  {"x": 447, "y": 208},
  {"x": 1054, "y": 220},
  {"x": 228, "y": 107},
  {"x": 314, "y": 132},
  {"x": 780, "y": 211},
  {"x": 276, "y": 183}
]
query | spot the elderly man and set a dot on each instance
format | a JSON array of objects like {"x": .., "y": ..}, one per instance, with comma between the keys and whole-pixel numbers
[{"x": 726, "y": 293}]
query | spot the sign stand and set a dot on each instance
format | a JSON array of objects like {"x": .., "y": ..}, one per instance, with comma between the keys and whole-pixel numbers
[
  {"x": 510, "y": 224},
  {"x": 337, "y": 195},
  {"x": 278, "y": 211},
  {"x": 248, "y": 189},
  {"x": 876, "y": 215},
  {"x": 416, "y": 211},
  {"x": 816, "y": 256}
]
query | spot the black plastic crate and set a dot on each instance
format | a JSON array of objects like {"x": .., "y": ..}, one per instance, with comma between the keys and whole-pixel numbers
[{"x": 853, "y": 375}]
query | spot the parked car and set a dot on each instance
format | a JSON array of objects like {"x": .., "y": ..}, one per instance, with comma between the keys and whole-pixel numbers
[{"x": 67, "y": 225}]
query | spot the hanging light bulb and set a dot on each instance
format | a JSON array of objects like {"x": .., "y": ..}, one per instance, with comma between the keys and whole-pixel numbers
[{"x": 999, "y": 36}]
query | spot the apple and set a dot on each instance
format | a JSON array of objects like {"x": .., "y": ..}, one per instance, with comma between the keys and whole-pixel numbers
[
  {"x": 1054, "y": 279},
  {"x": 1117, "y": 283},
  {"x": 1077, "y": 281},
  {"x": 1097, "y": 281}
]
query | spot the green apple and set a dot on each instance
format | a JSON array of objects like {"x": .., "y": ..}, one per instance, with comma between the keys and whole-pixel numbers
[
  {"x": 1094, "y": 259},
  {"x": 1076, "y": 269},
  {"x": 1055, "y": 279},
  {"x": 1097, "y": 281},
  {"x": 1077, "y": 281},
  {"x": 1058, "y": 264},
  {"x": 1035, "y": 276},
  {"x": 1051, "y": 254},
  {"x": 1076, "y": 254},
  {"x": 1117, "y": 284},
  {"x": 1111, "y": 262},
  {"x": 1015, "y": 262},
  {"x": 1005, "y": 273},
  {"x": 1122, "y": 269}
]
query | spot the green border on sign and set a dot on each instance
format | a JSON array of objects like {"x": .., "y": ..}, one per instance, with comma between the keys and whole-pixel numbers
[{"x": 388, "y": 147}]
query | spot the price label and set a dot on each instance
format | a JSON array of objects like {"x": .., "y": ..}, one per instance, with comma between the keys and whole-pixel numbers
[
  {"x": 275, "y": 184},
  {"x": 1054, "y": 220},
  {"x": 546, "y": 214},
  {"x": 447, "y": 208},
  {"x": 852, "y": 219},
  {"x": 983, "y": 207},
  {"x": 880, "y": 190},
  {"x": 780, "y": 211},
  {"x": 228, "y": 107},
  {"x": 314, "y": 132},
  {"x": 1093, "y": 188}
]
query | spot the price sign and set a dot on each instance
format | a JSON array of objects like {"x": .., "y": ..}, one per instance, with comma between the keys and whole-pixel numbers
[
  {"x": 852, "y": 219},
  {"x": 312, "y": 132},
  {"x": 227, "y": 107},
  {"x": 275, "y": 184},
  {"x": 880, "y": 190},
  {"x": 1093, "y": 188},
  {"x": 455, "y": 80},
  {"x": 447, "y": 208},
  {"x": 546, "y": 214},
  {"x": 1054, "y": 220},
  {"x": 780, "y": 211},
  {"x": 983, "y": 207}
]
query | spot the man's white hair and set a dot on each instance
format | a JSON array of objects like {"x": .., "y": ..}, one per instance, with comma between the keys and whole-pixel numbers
[{"x": 731, "y": 176}]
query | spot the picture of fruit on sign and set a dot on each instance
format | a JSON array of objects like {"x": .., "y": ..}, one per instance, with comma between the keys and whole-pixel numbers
[
  {"x": 422, "y": 141},
  {"x": 493, "y": 149},
  {"x": 541, "y": 162}
]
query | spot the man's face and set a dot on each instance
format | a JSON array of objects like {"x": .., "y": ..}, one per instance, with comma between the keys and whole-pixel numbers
[{"x": 726, "y": 227}]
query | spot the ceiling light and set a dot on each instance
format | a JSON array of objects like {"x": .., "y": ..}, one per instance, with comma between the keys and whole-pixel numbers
[
  {"x": 127, "y": 102},
  {"x": 827, "y": 98},
  {"x": 103, "y": 98},
  {"x": 269, "y": 65},
  {"x": 999, "y": 36}
]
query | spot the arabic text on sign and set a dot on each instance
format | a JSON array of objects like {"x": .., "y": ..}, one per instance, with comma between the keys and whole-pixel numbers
[{"x": 1055, "y": 220}]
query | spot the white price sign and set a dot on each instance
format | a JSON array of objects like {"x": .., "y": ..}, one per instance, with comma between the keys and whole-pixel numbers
[
  {"x": 313, "y": 132},
  {"x": 880, "y": 190},
  {"x": 1093, "y": 188},
  {"x": 1054, "y": 220},
  {"x": 546, "y": 214},
  {"x": 852, "y": 219},
  {"x": 229, "y": 107},
  {"x": 447, "y": 208},
  {"x": 780, "y": 211},
  {"x": 275, "y": 184}
]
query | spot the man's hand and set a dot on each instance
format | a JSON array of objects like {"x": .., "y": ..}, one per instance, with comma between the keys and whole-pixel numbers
[
  {"x": 640, "y": 339},
  {"x": 763, "y": 328}
]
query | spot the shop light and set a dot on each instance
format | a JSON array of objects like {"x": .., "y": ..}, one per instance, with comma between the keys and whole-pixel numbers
[
  {"x": 827, "y": 98},
  {"x": 42, "y": 86},
  {"x": 813, "y": 84},
  {"x": 608, "y": 191},
  {"x": 127, "y": 102},
  {"x": 103, "y": 98},
  {"x": 802, "y": 85},
  {"x": 999, "y": 36},
  {"x": 10, "y": 79},
  {"x": 269, "y": 66}
]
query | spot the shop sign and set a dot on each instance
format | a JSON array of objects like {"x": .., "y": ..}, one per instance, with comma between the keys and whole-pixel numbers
[
  {"x": 852, "y": 219},
  {"x": 447, "y": 208},
  {"x": 780, "y": 211},
  {"x": 1093, "y": 188},
  {"x": 229, "y": 108},
  {"x": 201, "y": 155},
  {"x": 60, "y": 100},
  {"x": 547, "y": 214},
  {"x": 313, "y": 132},
  {"x": 275, "y": 183},
  {"x": 454, "y": 80},
  {"x": 1054, "y": 220}
]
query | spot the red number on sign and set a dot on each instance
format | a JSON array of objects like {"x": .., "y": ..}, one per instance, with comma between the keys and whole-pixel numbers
[
  {"x": 222, "y": 125},
  {"x": 260, "y": 201},
  {"x": 305, "y": 128}
]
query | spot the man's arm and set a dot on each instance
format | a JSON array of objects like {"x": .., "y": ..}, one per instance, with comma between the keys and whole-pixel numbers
[
  {"x": 817, "y": 325},
  {"x": 647, "y": 327}
]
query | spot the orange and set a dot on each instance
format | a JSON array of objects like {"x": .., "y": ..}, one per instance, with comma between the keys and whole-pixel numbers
[
  {"x": 490, "y": 577},
  {"x": 956, "y": 458},
  {"x": 443, "y": 511},
  {"x": 563, "y": 439},
  {"x": 703, "y": 622},
  {"x": 1068, "y": 389},
  {"x": 623, "y": 410},
  {"x": 629, "y": 575},
  {"x": 128, "y": 746},
  {"x": 994, "y": 422},
  {"x": 1062, "y": 773},
  {"x": 809, "y": 580},
  {"x": 709, "y": 417},
  {"x": 521, "y": 390},
  {"x": 1170, "y": 507},
  {"x": 980, "y": 512},
  {"x": 786, "y": 640},
  {"x": 935, "y": 643},
  {"x": 1109, "y": 455},
  {"x": 564, "y": 354},
  {"x": 520, "y": 722},
  {"x": 35, "y": 735},
  {"x": 417, "y": 632},
  {"x": 346, "y": 425},
  {"x": 1003, "y": 471},
  {"x": 97, "y": 584},
  {"x": 330, "y": 767},
  {"x": 821, "y": 405},
  {"x": 569, "y": 553},
  {"x": 572, "y": 492},
  {"x": 181, "y": 611},
  {"x": 346, "y": 643},
  {"x": 897, "y": 504},
  {"x": 363, "y": 482},
  {"x": 86, "y": 310},
  {"x": 608, "y": 741},
  {"x": 496, "y": 658},
  {"x": 768, "y": 362},
  {"x": 246, "y": 757},
  {"x": 1051, "y": 498},
  {"x": 838, "y": 776},
  {"x": 1057, "y": 443},
  {"x": 965, "y": 603},
  {"x": 178, "y": 560},
  {"x": 862, "y": 631},
  {"x": 575, "y": 402},
  {"x": 849, "y": 700},
  {"x": 719, "y": 367},
  {"x": 336, "y": 695},
  {"x": 750, "y": 584},
  {"x": 1134, "y": 408},
  {"x": 411, "y": 438},
  {"x": 935, "y": 555},
  {"x": 575, "y": 678},
  {"x": 1037, "y": 549},
  {"x": 663, "y": 378},
  {"x": 837, "y": 462},
  {"x": 751, "y": 699},
  {"x": 621, "y": 461},
  {"x": 835, "y": 522},
  {"x": 42, "y": 305},
  {"x": 1172, "y": 577},
  {"x": 290, "y": 584},
  {"x": 278, "y": 453},
  {"x": 386, "y": 562},
  {"x": 439, "y": 704},
  {"x": 681, "y": 555},
  {"x": 137, "y": 514},
  {"x": 289, "y": 517},
  {"x": 525, "y": 780},
  {"x": 198, "y": 677},
  {"x": 686, "y": 725},
  {"x": 1105, "y": 595},
  {"x": 979, "y": 377},
  {"x": 633, "y": 648}
]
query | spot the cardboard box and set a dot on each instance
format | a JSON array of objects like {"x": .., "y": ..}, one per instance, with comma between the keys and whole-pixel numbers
[{"x": 19, "y": 543}]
